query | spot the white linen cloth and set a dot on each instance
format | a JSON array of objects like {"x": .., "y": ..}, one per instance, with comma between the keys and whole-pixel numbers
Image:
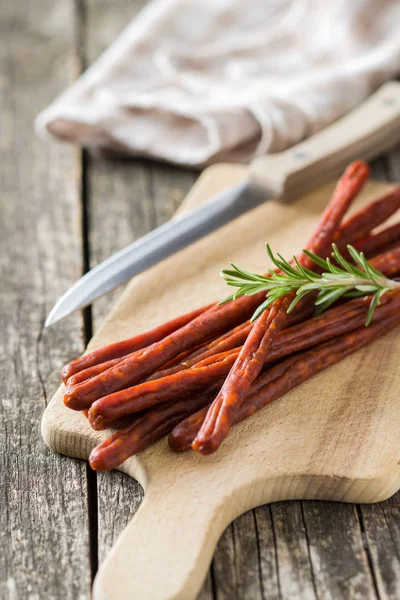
[{"x": 197, "y": 81}]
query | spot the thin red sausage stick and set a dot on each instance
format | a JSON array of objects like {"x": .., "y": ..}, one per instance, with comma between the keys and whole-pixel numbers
[
  {"x": 130, "y": 345},
  {"x": 245, "y": 369},
  {"x": 369, "y": 217},
  {"x": 102, "y": 367},
  {"x": 285, "y": 376},
  {"x": 144, "y": 430},
  {"x": 91, "y": 372},
  {"x": 175, "y": 365},
  {"x": 262, "y": 336},
  {"x": 388, "y": 263},
  {"x": 378, "y": 241},
  {"x": 347, "y": 188},
  {"x": 166, "y": 372},
  {"x": 229, "y": 343},
  {"x": 339, "y": 320},
  {"x": 219, "y": 340}
]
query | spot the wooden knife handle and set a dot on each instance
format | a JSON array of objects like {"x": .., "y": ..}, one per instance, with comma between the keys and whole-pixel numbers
[{"x": 367, "y": 131}]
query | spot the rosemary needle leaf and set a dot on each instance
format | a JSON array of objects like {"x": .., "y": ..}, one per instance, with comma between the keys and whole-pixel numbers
[
  {"x": 366, "y": 288},
  {"x": 373, "y": 274},
  {"x": 317, "y": 259},
  {"x": 330, "y": 297},
  {"x": 225, "y": 300},
  {"x": 261, "y": 309},
  {"x": 374, "y": 303},
  {"x": 269, "y": 251},
  {"x": 297, "y": 300},
  {"x": 309, "y": 287},
  {"x": 228, "y": 273},
  {"x": 355, "y": 255}
]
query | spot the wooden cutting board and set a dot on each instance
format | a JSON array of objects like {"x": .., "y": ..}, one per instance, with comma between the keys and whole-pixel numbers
[{"x": 335, "y": 437}]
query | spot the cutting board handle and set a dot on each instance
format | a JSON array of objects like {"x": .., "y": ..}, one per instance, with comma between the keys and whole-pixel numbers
[
  {"x": 166, "y": 549},
  {"x": 367, "y": 131}
]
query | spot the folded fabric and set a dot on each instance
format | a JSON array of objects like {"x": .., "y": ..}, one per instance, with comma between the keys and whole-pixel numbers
[{"x": 195, "y": 82}]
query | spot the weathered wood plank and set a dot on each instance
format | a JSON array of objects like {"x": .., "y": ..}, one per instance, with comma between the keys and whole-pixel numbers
[
  {"x": 339, "y": 560},
  {"x": 381, "y": 525},
  {"x": 43, "y": 517},
  {"x": 236, "y": 563},
  {"x": 295, "y": 573},
  {"x": 114, "y": 221}
]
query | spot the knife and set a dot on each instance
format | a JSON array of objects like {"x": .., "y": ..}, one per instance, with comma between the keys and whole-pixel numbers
[{"x": 367, "y": 131}]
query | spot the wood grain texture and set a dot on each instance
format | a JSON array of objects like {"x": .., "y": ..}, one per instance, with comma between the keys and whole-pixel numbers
[
  {"x": 381, "y": 532},
  {"x": 43, "y": 500},
  {"x": 345, "y": 452}
]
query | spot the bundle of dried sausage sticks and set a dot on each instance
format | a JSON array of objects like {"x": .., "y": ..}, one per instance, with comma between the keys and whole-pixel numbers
[{"x": 197, "y": 375}]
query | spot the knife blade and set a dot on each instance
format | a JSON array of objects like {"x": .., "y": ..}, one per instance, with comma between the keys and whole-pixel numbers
[
  {"x": 370, "y": 129},
  {"x": 155, "y": 246}
]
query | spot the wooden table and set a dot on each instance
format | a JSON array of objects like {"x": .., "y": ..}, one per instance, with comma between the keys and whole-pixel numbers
[{"x": 63, "y": 211}]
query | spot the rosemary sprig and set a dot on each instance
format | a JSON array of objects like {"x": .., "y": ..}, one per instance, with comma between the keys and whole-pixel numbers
[{"x": 338, "y": 279}]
